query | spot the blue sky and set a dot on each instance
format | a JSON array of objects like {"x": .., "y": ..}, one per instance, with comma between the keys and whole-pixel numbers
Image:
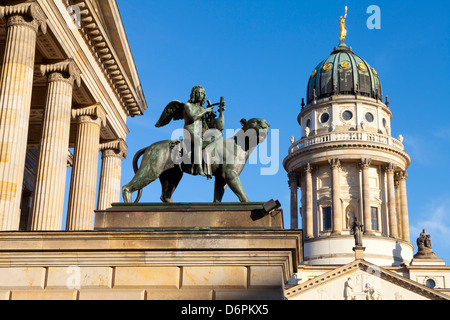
[{"x": 259, "y": 56}]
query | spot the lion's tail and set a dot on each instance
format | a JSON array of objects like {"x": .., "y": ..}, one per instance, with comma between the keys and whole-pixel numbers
[{"x": 136, "y": 158}]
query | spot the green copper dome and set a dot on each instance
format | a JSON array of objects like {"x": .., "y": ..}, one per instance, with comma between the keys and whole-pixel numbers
[{"x": 343, "y": 73}]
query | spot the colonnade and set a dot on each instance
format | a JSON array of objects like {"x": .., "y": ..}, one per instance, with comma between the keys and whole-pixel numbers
[
  {"x": 24, "y": 22},
  {"x": 396, "y": 200}
]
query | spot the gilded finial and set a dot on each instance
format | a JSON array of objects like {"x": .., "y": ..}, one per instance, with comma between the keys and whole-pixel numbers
[{"x": 342, "y": 28}]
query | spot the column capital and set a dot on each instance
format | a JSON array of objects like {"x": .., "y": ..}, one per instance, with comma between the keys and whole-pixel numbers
[
  {"x": 94, "y": 113},
  {"x": 389, "y": 168},
  {"x": 66, "y": 70},
  {"x": 117, "y": 148},
  {"x": 401, "y": 175},
  {"x": 308, "y": 168},
  {"x": 14, "y": 14},
  {"x": 334, "y": 163},
  {"x": 365, "y": 162}
]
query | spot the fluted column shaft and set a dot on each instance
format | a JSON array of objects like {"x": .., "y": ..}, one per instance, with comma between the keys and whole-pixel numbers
[
  {"x": 111, "y": 171},
  {"x": 48, "y": 199},
  {"x": 16, "y": 83},
  {"x": 293, "y": 185},
  {"x": 401, "y": 176},
  {"x": 309, "y": 202},
  {"x": 336, "y": 199},
  {"x": 398, "y": 208},
  {"x": 365, "y": 165},
  {"x": 83, "y": 187},
  {"x": 393, "y": 227}
]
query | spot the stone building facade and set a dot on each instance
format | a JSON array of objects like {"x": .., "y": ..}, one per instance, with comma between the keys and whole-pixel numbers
[{"x": 68, "y": 82}]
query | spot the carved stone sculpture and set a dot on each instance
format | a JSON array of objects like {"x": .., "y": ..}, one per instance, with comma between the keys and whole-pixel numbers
[
  {"x": 357, "y": 228},
  {"x": 424, "y": 249}
]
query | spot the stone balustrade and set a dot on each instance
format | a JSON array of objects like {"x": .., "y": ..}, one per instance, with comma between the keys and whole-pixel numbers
[{"x": 346, "y": 136}]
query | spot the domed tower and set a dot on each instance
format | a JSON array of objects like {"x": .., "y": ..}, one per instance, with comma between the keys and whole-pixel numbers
[{"x": 348, "y": 166}]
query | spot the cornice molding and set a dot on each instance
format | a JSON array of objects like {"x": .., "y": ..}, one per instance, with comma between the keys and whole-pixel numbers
[
  {"x": 342, "y": 145},
  {"x": 97, "y": 39}
]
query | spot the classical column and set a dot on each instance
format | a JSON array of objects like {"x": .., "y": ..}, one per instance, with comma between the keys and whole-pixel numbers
[
  {"x": 398, "y": 207},
  {"x": 309, "y": 201},
  {"x": 23, "y": 22},
  {"x": 401, "y": 176},
  {"x": 336, "y": 199},
  {"x": 83, "y": 187},
  {"x": 365, "y": 165},
  {"x": 48, "y": 199},
  {"x": 293, "y": 185},
  {"x": 109, "y": 191},
  {"x": 393, "y": 227}
]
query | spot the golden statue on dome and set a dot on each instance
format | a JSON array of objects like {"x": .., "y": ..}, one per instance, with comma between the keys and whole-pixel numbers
[{"x": 342, "y": 28}]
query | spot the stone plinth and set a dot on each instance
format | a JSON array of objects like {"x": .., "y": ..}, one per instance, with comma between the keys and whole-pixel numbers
[
  {"x": 187, "y": 215},
  {"x": 231, "y": 264},
  {"x": 359, "y": 252},
  {"x": 427, "y": 262}
]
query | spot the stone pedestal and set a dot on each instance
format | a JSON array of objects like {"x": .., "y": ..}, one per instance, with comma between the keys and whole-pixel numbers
[
  {"x": 225, "y": 251},
  {"x": 359, "y": 252},
  {"x": 192, "y": 216}
]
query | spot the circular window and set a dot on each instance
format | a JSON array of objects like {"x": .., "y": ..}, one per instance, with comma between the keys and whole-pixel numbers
[
  {"x": 369, "y": 117},
  {"x": 430, "y": 283},
  {"x": 347, "y": 115},
  {"x": 324, "y": 117},
  {"x": 308, "y": 123}
]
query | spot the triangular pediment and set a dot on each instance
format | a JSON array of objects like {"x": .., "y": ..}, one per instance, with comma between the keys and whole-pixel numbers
[{"x": 361, "y": 280}]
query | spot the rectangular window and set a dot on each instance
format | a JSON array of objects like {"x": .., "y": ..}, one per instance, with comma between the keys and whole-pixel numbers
[
  {"x": 326, "y": 215},
  {"x": 374, "y": 217}
]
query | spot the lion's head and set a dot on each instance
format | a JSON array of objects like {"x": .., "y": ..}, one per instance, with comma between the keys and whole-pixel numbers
[{"x": 258, "y": 126}]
